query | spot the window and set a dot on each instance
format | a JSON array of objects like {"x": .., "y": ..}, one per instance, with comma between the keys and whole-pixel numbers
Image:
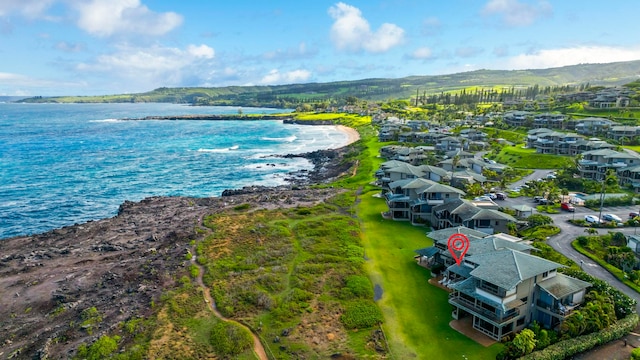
[
  {"x": 520, "y": 321},
  {"x": 446, "y": 196},
  {"x": 524, "y": 299},
  {"x": 545, "y": 274}
]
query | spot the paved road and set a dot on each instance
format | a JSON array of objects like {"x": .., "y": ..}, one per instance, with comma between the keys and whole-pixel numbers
[{"x": 569, "y": 232}]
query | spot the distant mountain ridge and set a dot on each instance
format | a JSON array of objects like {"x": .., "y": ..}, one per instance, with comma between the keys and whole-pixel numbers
[{"x": 609, "y": 74}]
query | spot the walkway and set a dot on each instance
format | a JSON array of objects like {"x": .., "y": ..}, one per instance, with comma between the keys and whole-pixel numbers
[{"x": 258, "y": 348}]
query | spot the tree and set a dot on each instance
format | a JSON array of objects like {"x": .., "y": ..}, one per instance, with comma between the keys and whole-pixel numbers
[
  {"x": 538, "y": 219},
  {"x": 524, "y": 342}
]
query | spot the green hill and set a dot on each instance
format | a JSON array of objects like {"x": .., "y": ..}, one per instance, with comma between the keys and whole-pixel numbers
[{"x": 609, "y": 74}]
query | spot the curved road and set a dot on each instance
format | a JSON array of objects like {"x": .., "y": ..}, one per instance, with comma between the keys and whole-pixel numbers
[{"x": 562, "y": 241}]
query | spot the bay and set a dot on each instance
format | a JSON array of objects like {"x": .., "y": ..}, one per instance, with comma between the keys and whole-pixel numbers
[{"x": 62, "y": 164}]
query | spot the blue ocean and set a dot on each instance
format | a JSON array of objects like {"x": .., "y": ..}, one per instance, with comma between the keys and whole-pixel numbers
[{"x": 62, "y": 164}]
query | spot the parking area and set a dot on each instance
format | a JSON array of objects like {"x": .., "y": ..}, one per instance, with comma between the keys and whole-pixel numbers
[{"x": 621, "y": 212}]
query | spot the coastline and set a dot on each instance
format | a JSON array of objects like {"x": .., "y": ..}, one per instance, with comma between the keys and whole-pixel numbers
[{"x": 352, "y": 134}]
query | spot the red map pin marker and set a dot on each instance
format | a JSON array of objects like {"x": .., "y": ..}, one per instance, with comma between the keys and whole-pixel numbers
[{"x": 458, "y": 245}]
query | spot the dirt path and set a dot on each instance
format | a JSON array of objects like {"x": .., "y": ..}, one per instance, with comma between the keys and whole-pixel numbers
[{"x": 258, "y": 349}]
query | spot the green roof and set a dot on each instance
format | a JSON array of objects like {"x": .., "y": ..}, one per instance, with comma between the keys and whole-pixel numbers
[
  {"x": 561, "y": 285},
  {"x": 507, "y": 268}
]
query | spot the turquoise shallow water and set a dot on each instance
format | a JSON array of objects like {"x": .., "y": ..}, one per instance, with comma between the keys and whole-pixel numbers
[{"x": 62, "y": 164}]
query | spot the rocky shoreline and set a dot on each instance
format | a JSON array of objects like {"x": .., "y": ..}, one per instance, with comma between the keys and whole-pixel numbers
[{"x": 121, "y": 265}]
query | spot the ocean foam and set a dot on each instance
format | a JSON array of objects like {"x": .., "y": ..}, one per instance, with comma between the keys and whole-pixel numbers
[{"x": 291, "y": 138}]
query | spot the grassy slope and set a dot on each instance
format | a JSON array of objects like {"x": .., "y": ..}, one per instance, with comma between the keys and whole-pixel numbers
[
  {"x": 519, "y": 157},
  {"x": 381, "y": 89},
  {"x": 417, "y": 314}
]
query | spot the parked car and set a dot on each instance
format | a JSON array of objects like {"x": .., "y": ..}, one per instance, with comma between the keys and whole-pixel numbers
[
  {"x": 482, "y": 198},
  {"x": 567, "y": 207},
  {"x": 544, "y": 201},
  {"x": 501, "y": 196},
  {"x": 551, "y": 176},
  {"x": 633, "y": 214},
  {"x": 537, "y": 198},
  {"x": 592, "y": 219},
  {"x": 492, "y": 196},
  {"x": 611, "y": 217}
]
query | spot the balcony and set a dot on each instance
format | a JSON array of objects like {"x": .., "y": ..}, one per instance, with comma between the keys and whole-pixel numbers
[
  {"x": 472, "y": 307},
  {"x": 435, "y": 201},
  {"x": 557, "y": 309}
]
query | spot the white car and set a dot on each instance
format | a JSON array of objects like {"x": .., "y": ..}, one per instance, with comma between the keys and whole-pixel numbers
[
  {"x": 611, "y": 217},
  {"x": 592, "y": 219},
  {"x": 482, "y": 198}
]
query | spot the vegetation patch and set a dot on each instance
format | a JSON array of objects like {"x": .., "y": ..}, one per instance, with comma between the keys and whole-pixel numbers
[
  {"x": 230, "y": 339},
  {"x": 360, "y": 314}
]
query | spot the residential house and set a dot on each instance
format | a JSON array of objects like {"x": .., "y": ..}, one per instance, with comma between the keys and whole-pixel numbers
[
  {"x": 630, "y": 176},
  {"x": 517, "y": 118},
  {"x": 556, "y": 143},
  {"x": 609, "y": 98},
  {"x": 461, "y": 212},
  {"x": 594, "y": 126},
  {"x": 501, "y": 286},
  {"x": 583, "y": 145},
  {"x": 548, "y": 120},
  {"x": 624, "y": 131},
  {"x": 414, "y": 199},
  {"x": 450, "y": 143},
  {"x": 594, "y": 164},
  {"x": 633, "y": 242},
  {"x": 473, "y": 135}
]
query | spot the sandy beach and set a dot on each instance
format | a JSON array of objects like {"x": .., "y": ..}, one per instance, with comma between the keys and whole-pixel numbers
[{"x": 352, "y": 133}]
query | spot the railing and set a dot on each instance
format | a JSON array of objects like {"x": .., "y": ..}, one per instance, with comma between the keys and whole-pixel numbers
[
  {"x": 556, "y": 309},
  {"x": 473, "y": 308}
]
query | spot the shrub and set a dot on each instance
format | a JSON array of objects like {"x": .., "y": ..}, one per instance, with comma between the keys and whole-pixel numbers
[
  {"x": 357, "y": 286},
  {"x": 361, "y": 314},
  {"x": 230, "y": 339},
  {"x": 583, "y": 241},
  {"x": 242, "y": 207},
  {"x": 570, "y": 347},
  {"x": 635, "y": 354},
  {"x": 537, "y": 220},
  {"x": 102, "y": 348}
]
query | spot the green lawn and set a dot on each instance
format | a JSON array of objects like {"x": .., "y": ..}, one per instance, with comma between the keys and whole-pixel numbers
[
  {"x": 519, "y": 157},
  {"x": 417, "y": 314}
]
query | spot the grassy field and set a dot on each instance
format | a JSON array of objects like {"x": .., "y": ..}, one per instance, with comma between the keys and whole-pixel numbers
[
  {"x": 519, "y": 157},
  {"x": 417, "y": 314}
]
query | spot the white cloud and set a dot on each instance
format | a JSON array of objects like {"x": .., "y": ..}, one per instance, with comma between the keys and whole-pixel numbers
[
  {"x": 569, "y": 56},
  {"x": 350, "y": 31},
  {"x": 28, "y": 8},
  {"x": 421, "y": 53},
  {"x": 276, "y": 77},
  {"x": 202, "y": 51},
  {"x": 109, "y": 17},
  {"x": 18, "y": 85},
  {"x": 153, "y": 66},
  {"x": 515, "y": 13}
]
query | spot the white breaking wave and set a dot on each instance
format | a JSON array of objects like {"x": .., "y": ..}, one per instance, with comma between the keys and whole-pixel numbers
[
  {"x": 107, "y": 120},
  {"x": 291, "y": 138},
  {"x": 221, "y": 150}
]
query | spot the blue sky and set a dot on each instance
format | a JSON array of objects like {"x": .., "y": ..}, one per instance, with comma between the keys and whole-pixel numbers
[{"x": 94, "y": 47}]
